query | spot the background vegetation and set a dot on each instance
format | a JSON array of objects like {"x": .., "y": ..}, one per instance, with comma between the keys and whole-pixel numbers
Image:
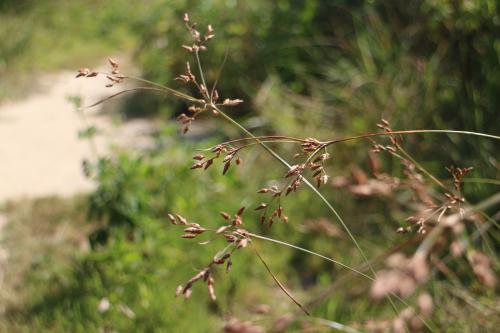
[{"x": 304, "y": 68}]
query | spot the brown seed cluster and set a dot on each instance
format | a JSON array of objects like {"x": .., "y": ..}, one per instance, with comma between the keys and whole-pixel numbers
[
  {"x": 236, "y": 237},
  {"x": 295, "y": 175},
  {"x": 434, "y": 213},
  {"x": 430, "y": 212},
  {"x": 458, "y": 174},
  {"x": 230, "y": 154},
  {"x": 277, "y": 212},
  {"x": 85, "y": 72},
  {"x": 394, "y": 139},
  {"x": 113, "y": 77},
  {"x": 199, "y": 41},
  {"x": 310, "y": 145},
  {"x": 209, "y": 97},
  {"x": 316, "y": 164}
]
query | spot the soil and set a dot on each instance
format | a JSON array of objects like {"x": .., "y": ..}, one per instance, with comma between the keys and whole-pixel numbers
[{"x": 40, "y": 152}]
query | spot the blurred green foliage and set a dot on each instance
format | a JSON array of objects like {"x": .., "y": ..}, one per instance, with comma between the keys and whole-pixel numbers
[
  {"x": 39, "y": 36},
  {"x": 341, "y": 66},
  {"x": 138, "y": 258},
  {"x": 304, "y": 68}
]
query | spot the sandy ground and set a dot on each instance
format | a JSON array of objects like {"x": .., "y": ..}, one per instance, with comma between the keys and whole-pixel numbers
[{"x": 40, "y": 152}]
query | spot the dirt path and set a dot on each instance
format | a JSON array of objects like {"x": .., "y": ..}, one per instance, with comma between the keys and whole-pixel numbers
[{"x": 40, "y": 153}]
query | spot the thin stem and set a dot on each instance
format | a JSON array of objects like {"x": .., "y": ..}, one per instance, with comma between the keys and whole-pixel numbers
[
  {"x": 282, "y": 287},
  {"x": 219, "y": 72},
  {"x": 265, "y": 141},
  {"x": 121, "y": 93},
  {"x": 162, "y": 87},
  {"x": 482, "y": 181},
  {"x": 421, "y": 168},
  {"x": 201, "y": 74},
  {"x": 335, "y": 325},
  {"x": 337, "y": 263},
  {"x": 424, "y": 131},
  {"x": 266, "y": 137},
  {"x": 272, "y": 240}
]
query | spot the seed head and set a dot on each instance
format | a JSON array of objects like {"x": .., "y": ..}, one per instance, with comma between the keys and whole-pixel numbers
[{"x": 261, "y": 206}]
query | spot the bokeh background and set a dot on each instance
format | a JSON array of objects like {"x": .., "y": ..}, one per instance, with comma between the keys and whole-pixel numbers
[{"x": 96, "y": 253}]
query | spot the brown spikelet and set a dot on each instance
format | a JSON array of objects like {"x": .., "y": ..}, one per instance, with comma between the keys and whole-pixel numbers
[
  {"x": 237, "y": 221},
  {"x": 113, "y": 63},
  {"x": 172, "y": 219},
  {"x": 242, "y": 243},
  {"x": 194, "y": 230},
  {"x": 232, "y": 102},
  {"x": 221, "y": 229},
  {"x": 240, "y": 211},
  {"x": 181, "y": 219},
  {"x": 226, "y": 167},
  {"x": 178, "y": 291},
  {"x": 197, "y": 165},
  {"x": 261, "y": 206},
  {"x": 211, "y": 289},
  {"x": 82, "y": 72},
  {"x": 208, "y": 163},
  {"x": 215, "y": 95}
]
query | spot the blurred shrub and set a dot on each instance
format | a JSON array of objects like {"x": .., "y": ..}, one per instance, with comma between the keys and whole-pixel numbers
[
  {"x": 313, "y": 67},
  {"x": 138, "y": 258},
  {"x": 260, "y": 38}
]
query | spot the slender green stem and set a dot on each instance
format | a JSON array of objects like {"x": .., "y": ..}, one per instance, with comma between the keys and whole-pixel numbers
[
  {"x": 335, "y": 325},
  {"x": 311, "y": 252},
  {"x": 407, "y": 132},
  {"x": 202, "y": 76},
  {"x": 160, "y": 87},
  {"x": 121, "y": 92},
  {"x": 482, "y": 181},
  {"x": 266, "y": 137},
  {"x": 421, "y": 168},
  {"x": 219, "y": 72},
  {"x": 168, "y": 89},
  {"x": 282, "y": 287},
  {"x": 354, "y": 270}
]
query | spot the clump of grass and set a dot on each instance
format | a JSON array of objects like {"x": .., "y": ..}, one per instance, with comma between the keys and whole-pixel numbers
[{"x": 441, "y": 225}]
